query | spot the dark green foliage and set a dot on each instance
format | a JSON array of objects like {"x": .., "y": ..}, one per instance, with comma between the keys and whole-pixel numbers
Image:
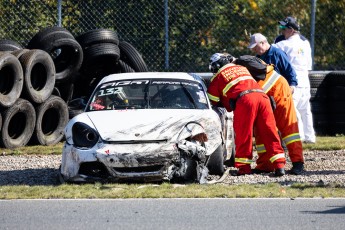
[{"x": 196, "y": 28}]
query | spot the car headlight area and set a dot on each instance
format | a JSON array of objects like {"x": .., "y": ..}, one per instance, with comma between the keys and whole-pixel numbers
[{"x": 84, "y": 136}]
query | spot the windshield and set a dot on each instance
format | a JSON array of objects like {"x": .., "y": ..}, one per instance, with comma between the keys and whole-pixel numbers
[{"x": 148, "y": 94}]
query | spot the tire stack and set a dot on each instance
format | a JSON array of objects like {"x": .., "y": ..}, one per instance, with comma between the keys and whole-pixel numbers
[
  {"x": 26, "y": 86},
  {"x": 42, "y": 85},
  {"x": 328, "y": 101},
  {"x": 104, "y": 54},
  {"x": 82, "y": 62}
]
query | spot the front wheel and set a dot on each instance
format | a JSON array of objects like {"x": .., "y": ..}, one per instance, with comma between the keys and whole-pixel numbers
[{"x": 215, "y": 163}]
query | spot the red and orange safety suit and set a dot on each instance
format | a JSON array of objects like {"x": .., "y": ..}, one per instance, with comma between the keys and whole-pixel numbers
[
  {"x": 253, "y": 109},
  {"x": 277, "y": 87}
]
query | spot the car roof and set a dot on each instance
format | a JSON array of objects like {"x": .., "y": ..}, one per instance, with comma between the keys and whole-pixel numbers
[{"x": 143, "y": 75}]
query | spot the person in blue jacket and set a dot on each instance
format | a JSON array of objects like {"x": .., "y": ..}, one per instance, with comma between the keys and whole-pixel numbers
[{"x": 275, "y": 56}]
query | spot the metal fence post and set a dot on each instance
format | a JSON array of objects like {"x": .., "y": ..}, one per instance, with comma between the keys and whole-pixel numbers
[
  {"x": 166, "y": 17},
  {"x": 312, "y": 30},
  {"x": 59, "y": 12}
]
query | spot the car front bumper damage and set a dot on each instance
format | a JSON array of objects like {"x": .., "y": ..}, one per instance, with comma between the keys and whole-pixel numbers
[{"x": 132, "y": 162}]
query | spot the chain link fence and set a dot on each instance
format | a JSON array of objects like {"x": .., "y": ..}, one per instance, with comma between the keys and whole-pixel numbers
[{"x": 181, "y": 35}]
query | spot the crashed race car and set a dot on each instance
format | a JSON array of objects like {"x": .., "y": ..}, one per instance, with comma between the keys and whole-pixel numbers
[{"x": 147, "y": 127}]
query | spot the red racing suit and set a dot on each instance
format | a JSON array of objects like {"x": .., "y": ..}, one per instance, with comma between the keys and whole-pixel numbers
[
  {"x": 277, "y": 87},
  {"x": 253, "y": 109}
]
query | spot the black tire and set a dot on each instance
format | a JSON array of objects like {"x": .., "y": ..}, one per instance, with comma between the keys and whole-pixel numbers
[
  {"x": 321, "y": 123},
  {"x": 39, "y": 75},
  {"x": 215, "y": 163},
  {"x": 336, "y": 124},
  {"x": 11, "y": 79},
  {"x": 318, "y": 94},
  {"x": 18, "y": 124},
  {"x": 9, "y": 45},
  {"x": 101, "y": 50},
  {"x": 336, "y": 78},
  {"x": 67, "y": 55},
  {"x": 66, "y": 90},
  {"x": 318, "y": 79},
  {"x": 97, "y": 36},
  {"x": 81, "y": 85},
  {"x": 52, "y": 117},
  {"x": 100, "y": 60},
  {"x": 336, "y": 93},
  {"x": 125, "y": 68},
  {"x": 51, "y": 33},
  {"x": 319, "y": 107},
  {"x": 131, "y": 56},
  {"x": 337, "y": 107}
]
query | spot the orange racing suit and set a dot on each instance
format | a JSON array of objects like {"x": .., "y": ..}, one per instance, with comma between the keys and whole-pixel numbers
[
  {"x": 252, "y": 109},
  {"x": 277, "y": 87}
]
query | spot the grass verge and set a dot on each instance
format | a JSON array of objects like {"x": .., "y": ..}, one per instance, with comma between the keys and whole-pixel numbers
[{"x": 167, "y": 190}]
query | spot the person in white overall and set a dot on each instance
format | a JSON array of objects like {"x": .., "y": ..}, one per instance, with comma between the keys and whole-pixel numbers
[{"x": 298, "y": 50}]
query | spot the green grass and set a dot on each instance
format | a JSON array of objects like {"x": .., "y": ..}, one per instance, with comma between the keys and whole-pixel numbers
[
  {"x": 327, "y": 143},
  {"x": 167, "y": 190}
]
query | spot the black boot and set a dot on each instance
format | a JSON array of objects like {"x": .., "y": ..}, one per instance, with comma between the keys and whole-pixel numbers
[
  {"x": 259, "y": 171},
  {"x": 279, "y": 172},
  {"x": 297, "y": 168}
]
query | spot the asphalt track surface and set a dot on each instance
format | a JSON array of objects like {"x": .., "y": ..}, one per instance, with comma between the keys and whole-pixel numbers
[{"x": 315, "y": 213}]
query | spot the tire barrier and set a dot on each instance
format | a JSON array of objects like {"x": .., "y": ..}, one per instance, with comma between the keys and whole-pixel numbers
[
  {"x": 65, "y": 51},
  {"x": 132, "y": 57},
  {"x": 51, "y": 119},
  {"x": 98, "y": 36},
  {"x": 48, "y": 82},
  {"x": 9, "y": 45},
  {"x": 39, "y": 75},
  {"x": 328, "y": 101},
  {"x": 18, "y": 123},
  {"x": 101, "y": 56},
  {"x": 20, "y": 52},
  {"x": 11, "y": 79}
]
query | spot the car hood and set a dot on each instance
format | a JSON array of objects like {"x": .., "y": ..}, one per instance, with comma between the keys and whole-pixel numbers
[{"x": 143, "y": 125}]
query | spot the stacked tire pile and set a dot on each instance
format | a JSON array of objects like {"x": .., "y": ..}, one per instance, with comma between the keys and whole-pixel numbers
[
  {"x": 40, "y": 83},
  {"x": 29, "y": 111},
  {"x": 328, "y": 101}
]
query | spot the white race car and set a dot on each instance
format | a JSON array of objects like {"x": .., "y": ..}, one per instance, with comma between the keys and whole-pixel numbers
[{"x": 147, "y": 127}]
